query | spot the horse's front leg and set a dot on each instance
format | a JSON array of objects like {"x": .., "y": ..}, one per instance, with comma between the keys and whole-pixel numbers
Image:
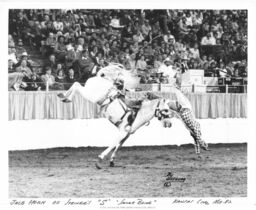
[{"x": 118, "y": 146}]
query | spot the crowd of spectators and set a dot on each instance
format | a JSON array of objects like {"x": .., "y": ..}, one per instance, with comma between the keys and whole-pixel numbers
[{"x": 77, "y": 43}]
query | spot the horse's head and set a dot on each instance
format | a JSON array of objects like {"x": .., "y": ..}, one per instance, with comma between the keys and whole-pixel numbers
[
  {"x": 163, "y": 107},
  {"x": 163, "y": 113}
]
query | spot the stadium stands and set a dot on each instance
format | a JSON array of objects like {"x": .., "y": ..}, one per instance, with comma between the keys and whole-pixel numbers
[{"x": 52, "y": 48}]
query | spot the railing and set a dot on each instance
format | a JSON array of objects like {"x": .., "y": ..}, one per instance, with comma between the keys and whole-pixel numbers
[{"x": 191, "y": 88}]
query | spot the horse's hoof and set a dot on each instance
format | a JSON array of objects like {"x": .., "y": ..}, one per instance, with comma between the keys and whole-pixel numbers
[
  {"x": 66, "y": 100},
  {"x": 206, "y": 148},
  {"x": 111, "y": 164},
  {"x": 98, "y": 163},
  {"x": 61, "y": 95},
  {"x": 199, "y": 156}
]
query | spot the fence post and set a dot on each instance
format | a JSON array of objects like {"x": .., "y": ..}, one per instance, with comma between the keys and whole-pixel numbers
[
  {"x": 47, "y": 86},
  {"x": 226, "y": 91}
]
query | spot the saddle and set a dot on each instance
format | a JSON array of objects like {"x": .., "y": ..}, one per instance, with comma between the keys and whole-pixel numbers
[{"x": 135, "y": 105}]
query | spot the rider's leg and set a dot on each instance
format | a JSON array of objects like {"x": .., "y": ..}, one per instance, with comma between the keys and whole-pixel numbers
[{"x": 194, "y": 128}]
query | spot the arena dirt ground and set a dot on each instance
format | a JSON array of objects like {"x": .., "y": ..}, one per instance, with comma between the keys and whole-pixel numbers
[{"x": 139, "y": 172}]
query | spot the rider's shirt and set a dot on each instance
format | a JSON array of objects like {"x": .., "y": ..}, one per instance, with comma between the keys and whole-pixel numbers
[{"x": 182, "y": 99}]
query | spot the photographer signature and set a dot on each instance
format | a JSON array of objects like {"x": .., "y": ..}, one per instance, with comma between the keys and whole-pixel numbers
[{"x": 171, "y": 178}]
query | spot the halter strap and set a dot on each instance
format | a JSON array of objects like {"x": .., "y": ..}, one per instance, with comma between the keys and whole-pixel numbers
[{"x": 157, "y": 110}]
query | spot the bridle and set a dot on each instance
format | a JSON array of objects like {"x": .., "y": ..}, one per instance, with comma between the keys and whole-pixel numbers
[{"x": 162, "y": 113}]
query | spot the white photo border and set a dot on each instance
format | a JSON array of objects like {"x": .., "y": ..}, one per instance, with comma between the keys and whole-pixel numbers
[{"x": 248, "y": 202}]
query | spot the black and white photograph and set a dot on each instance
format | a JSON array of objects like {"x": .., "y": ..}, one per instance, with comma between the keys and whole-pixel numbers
[{"x": 128, "y": 103}]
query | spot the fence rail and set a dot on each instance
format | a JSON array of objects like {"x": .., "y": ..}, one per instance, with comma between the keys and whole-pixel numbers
[{"x": 191, "y": 88}]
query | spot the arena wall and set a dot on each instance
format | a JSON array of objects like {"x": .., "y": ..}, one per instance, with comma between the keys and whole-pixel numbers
[{"x": 39, "y": 134}]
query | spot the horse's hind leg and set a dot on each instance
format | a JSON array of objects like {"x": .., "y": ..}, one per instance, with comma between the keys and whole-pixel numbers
[
  {"x": 68, "y": 95},
  {"x": 76, "y": 87}
]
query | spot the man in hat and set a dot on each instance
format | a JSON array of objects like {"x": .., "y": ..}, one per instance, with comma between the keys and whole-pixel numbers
[
  {"x": 24, "y": 56},
  {"x": 167, "y": 71}
]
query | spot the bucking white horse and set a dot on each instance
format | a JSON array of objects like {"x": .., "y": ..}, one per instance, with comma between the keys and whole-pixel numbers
[{"x": 104, "y": 90}]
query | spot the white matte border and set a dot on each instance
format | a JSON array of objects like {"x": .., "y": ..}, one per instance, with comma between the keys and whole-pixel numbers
[{"x": 250, "y": 201}]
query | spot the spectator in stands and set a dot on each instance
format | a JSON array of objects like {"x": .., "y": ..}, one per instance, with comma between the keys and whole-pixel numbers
[
  {"x": 212, "y": 70},
  {"x": 33, "y": 83},
  {"x": 158, "y": 62},
  {"x": 58, "y": 24},
  {"x": 211, "y": 60},
  {"x": 127, "y": 33},
  {"x": 194, "y": 52},
  {"x": 183, "y": 28},
  {"x": 10, "y": 66},
  {"x": 184, "y": 64},
  {"x": 145, "y": 28},
  {"x": 24, "y": 68},
  {"x": 106, "y": 50},
  {"x": 60, "y": 49},
  {"x": 102, "y": 39},
  {"x": 116, "y": 35},
  {"x": 58, "y": 68},
  {"x": 115, "y": 47},
  {"x": 138, "y": 37},
  {"x": 115, "y": 22},
  {"x": 50, "y": 44},
  {"x": 222, "y": 69},
  {"x": 203, "y": 63},
  {"x": 48, "y": 78},
  {"x": 70, "y": 79},
  {"x": 179, "y": 46},
  {"x": 19, "y": 49},
  {"x": 60, "y": 80},
  {"x": 197, "y": 19},
  {"x": 141, "y": 63},
  {"x": 236, "y": 73},
  {"x": 71, "y": 56},
  {"x": 24, "y": 56},
  {"x": 83, "y": 67},
  {"x": 132, "y": 63},
  {"x": 208, "y": 40}
]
